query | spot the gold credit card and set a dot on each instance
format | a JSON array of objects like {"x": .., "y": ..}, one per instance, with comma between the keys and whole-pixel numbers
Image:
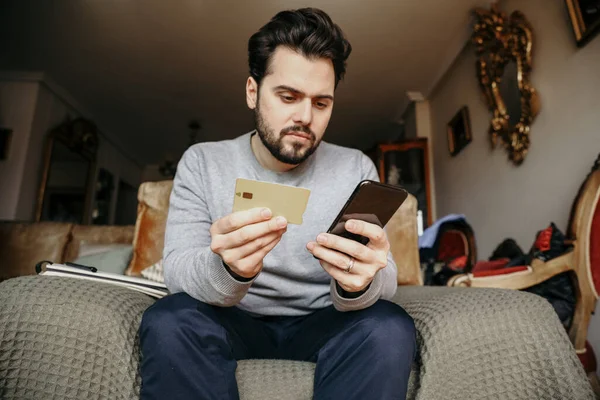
[{"x": 287, "y": 201}]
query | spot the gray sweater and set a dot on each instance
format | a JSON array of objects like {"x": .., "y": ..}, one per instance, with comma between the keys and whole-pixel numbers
[{"x": 292, "y": 282}]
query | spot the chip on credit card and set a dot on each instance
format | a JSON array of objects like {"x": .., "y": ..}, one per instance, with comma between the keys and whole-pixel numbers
[{"x": 283, "y": 200}]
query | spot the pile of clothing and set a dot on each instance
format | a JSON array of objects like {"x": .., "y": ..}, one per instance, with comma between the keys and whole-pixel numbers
[{"x": 507, "y": 258}]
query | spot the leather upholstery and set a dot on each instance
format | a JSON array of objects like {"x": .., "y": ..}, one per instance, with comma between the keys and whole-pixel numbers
[
  {"x": 149, "y": 238},
  {"x": 404, "y": 242},
  {"x": 24, "y": 244}
]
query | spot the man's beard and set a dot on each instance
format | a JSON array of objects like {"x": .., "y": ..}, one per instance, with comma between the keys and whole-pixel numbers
[{"x": 294, "y": 156}]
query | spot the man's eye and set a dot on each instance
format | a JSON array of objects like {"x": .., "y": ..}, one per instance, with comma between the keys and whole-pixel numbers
[
  {"x": 321, "y": 105},
  {"x": 287, "y": 99}
]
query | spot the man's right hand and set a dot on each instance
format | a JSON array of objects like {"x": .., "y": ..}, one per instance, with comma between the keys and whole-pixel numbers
[{"x": 243, "y": 239}]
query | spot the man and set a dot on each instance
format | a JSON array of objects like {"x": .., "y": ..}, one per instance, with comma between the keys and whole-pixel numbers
[{"x": 247, "y": 285}]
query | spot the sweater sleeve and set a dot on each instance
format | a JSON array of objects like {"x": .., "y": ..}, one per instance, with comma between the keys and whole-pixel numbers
[
  {"x": 384, "y": 283},
  {"x": 189, "y": 264}
]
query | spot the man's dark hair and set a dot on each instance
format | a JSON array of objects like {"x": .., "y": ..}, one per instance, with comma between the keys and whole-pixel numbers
[{"x": 308, "y": 31}]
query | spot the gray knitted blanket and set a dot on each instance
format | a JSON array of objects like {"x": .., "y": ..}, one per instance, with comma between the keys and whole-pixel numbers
[{"x": 62, "y": 338}]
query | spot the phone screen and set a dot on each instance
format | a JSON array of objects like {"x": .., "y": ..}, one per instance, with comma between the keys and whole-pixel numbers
[{"x": 371, "y": 202}]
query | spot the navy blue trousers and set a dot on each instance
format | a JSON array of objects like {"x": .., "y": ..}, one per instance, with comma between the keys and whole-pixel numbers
[{"x": 190, "y": 349}]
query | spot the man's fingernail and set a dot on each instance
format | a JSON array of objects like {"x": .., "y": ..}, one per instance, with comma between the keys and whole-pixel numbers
[
  {"x": 281, "y": 222},
  {"x": 351, "y": 225},
  {"x": 310, "y": 245},
  {"x": 265, "y": 213},
  {"x": 322, "y": 239}
]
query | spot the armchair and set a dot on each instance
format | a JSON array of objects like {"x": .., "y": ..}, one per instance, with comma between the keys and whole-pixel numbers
[{"x": 582, "y": 263}]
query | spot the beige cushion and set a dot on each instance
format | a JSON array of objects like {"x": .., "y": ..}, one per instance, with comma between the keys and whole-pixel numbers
[
  {"x": 97, "y": 235},
  {"x": 149, "y": 236},
  {"x": 155, "y": 272},
  {"x": 404, "y": 242}
]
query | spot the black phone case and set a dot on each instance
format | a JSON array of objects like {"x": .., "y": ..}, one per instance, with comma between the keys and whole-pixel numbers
[{"x": 371, "y": 201}]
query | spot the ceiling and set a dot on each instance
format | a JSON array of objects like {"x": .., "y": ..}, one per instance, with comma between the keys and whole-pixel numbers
[{"x": 144, "y": 68}]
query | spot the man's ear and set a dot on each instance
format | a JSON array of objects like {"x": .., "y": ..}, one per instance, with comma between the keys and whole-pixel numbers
[{"x": 251, "y": 93}]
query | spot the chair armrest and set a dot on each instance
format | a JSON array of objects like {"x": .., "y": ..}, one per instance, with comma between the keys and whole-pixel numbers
[
  {"x": 539, "y": 271},
  {"x": 65, "y": 335}
]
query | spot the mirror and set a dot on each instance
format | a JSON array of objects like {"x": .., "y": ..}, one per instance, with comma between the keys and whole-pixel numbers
[
  {"x": 509, "y": 93},
  {"x": 69, "y": 165},
  {"x": 503, "y": 47}
]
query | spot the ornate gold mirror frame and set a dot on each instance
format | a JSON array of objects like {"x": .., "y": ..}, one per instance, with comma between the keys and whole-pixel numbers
[{"x": 498, "y": 41}]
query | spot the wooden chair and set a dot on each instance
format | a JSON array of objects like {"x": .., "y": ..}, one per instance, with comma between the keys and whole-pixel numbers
[
  {"x": 454, "y": 248},
  {"x": 458, "y": 240},
  {"x": 582, "y": 263}
]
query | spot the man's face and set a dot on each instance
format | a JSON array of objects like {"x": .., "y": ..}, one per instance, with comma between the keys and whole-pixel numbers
[{"x": 293, "y": 106}]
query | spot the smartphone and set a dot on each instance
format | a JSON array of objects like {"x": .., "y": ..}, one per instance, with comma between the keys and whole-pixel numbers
[{"x": 372, "y": 202}]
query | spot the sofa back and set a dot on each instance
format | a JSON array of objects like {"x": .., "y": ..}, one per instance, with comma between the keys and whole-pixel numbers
[{"x": 24, "y": 244}]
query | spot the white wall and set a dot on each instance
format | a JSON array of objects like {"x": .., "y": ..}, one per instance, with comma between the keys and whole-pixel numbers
[
  {"x": 17, "y": 106},
  {"x": 499, "y": 199}
]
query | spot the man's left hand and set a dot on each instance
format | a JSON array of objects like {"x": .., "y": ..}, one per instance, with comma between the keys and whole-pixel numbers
[{"x": 352, "y": 264}]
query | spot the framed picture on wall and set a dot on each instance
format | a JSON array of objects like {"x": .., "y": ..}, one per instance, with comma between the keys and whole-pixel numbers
[
  {"x": 459, "y": 131},
  {"x": 585, "y": 19}
]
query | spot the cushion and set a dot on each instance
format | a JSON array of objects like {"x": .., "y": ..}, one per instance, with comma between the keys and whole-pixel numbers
[
  {"x": 97, "y": 234},
  {"x": 149, "y": 236},
  {"x": 154, "y": 272},
  {"x": 453, "y": 244},
  {"x": 402, "y": 234},
  {"x": 67, "y": 339},
  {"x": 286, "y": 380},
  {"x": 23, "y": 245},
  {"x": 112, "y": 258}
]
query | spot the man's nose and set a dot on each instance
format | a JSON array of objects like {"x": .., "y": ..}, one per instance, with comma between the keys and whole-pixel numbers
[{"x": 303, "y": 112}]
